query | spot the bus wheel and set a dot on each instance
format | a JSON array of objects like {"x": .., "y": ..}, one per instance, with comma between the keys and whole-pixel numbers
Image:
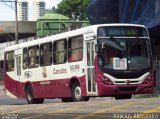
[
  {"x": 30, "y": 98},
  {"x": 76, "y": 93},
  {"x": 118, "y": 97}
]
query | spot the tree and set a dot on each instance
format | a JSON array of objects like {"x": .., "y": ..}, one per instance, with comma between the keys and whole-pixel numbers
[{"x": 73, "y": 8}]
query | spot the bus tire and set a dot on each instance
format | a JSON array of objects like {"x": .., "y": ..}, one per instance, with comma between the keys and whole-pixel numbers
[
  {"x": 30, "y": 98},
  {"x": 119, "y": 97},
  {"x": 76, "y": 93}
]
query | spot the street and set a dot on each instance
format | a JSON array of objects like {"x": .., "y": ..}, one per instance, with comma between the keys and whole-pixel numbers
[{"x": 96, "y": 108}]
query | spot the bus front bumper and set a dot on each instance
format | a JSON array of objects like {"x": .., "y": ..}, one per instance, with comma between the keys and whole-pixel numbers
[{"x": 110, "y": 90}]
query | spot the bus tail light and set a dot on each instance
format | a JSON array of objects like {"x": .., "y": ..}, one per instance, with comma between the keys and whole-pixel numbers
[{"x": 105, "y": 80}]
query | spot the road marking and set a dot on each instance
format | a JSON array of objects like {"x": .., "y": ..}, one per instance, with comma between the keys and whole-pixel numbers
[
  {"x": 153, "y": 110},
  {"x": 124, "y": 111},
  {"x": 78, "y": 105},
  {"x": 66, "y": 109},
  {"x": 35, "y": 116},
  {"x": 147, "y": 113},
  {"x": 50, "y": 113},
  {"x": 21, "y": 110},
  {"x": 113, "y": 108}
]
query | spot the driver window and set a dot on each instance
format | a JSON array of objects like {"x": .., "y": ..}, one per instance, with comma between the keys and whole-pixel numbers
[{"x": 109, "y": 54}]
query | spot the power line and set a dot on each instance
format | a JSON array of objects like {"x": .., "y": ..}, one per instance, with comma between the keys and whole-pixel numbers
[{"x": 8, "y": 1}]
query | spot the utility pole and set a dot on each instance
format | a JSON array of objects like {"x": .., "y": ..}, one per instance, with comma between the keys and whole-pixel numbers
[{"x": 16, "y": 16}]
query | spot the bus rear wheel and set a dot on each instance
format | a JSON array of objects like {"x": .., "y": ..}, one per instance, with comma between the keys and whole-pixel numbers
[
  {"x": 76, "y": 93},
  {"x": 30, "y": 98},
  {"x": 119, "y": 97}
]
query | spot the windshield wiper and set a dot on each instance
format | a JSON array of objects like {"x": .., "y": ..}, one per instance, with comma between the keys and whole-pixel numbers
[
  {"x": 133, "y": 44},
  {"x": 112, "y": 42}
]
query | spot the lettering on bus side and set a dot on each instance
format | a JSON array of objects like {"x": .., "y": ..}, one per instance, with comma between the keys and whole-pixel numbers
[
  {"x": 74, "y": 68},
  {"x": 28, "y": 74},
  {"x": 59, "y": 71},
  {"x": 44, "y": 72}
]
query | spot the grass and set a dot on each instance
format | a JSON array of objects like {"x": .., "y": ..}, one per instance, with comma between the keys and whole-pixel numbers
[{"x": 146, "y": 96}]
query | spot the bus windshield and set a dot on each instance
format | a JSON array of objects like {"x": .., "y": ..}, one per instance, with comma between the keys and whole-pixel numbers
[
  {"x": 124, "y": 53},
  {"x": 124, "y": 48}
]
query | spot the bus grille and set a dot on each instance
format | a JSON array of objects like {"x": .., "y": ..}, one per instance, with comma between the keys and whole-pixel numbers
[
  {"x": 124, "y": 82},
  {"x": 128, "y": 75},
  {"x": 128, "y": 88}
]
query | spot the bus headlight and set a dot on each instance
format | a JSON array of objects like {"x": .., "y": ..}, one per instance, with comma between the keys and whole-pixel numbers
[
  {"x": 148, "y": 79},
  {"x": 105, "y": 80},
  {"x": 109, "y": 82}
]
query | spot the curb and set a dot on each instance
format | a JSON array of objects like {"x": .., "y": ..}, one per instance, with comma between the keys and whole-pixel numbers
[{"x": 1, "y": 82}]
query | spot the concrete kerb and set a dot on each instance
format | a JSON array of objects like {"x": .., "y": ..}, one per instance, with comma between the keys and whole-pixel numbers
[{"x": 1, "y": 82}]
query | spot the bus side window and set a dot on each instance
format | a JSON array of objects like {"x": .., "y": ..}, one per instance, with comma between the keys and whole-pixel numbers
[
  {"x": 33, "y": 56},
  {"x": 25, "y": 58},
  {"x": 60, "y": 51},
  {"x": 10, "y": 61},
  {"x": 75, "y": 49},
  {"x": 46, "y": 54}
]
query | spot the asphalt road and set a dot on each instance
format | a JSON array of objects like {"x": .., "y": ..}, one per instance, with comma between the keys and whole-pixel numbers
[{"x": 96, "y": 108}]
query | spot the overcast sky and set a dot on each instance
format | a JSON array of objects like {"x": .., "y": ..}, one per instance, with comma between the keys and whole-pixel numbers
[{"x": 8, "y": 14}]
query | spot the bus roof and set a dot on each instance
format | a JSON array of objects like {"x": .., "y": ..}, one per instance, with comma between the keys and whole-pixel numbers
[{"x": 88, "y": 29}]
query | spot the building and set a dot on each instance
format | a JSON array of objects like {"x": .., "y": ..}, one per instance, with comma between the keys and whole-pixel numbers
[
  {"x": 26, "y": 29},
  {"x": 22, "y": 10},
  {"x": 38, "y": 9},
  {"x": 7, "y": 35},
  {"x": 53, "y": 22}
]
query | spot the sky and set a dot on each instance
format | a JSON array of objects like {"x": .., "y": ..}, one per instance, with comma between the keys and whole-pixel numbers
[{"x": 8, "y": 14}]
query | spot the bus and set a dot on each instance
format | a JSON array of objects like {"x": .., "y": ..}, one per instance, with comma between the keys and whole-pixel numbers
[{"x": 95, "y": 61}]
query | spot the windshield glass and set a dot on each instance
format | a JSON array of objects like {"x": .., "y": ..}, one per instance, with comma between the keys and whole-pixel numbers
[{"x": 124, "y": 53}]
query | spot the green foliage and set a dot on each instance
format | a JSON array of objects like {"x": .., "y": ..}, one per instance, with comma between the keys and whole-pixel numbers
[{"x": 69, "y": 7}]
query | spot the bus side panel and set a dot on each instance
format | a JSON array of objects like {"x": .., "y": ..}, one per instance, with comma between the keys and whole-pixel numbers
[
  {"x": 10, "y": 85},
  {"x": 83, "y": 85},
  {"x": 57, "y": 88},
  {"x": 13, "y": 86},
  {"x": 51, "y": 89},
  {"x": 20, "y": 91},
  {"x": 38, "y": 90}
]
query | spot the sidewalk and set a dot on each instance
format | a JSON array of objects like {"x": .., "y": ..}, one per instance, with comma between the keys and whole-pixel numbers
[
  {"x": 1, "y": 82},
  {"x": 1, "y": 88}
]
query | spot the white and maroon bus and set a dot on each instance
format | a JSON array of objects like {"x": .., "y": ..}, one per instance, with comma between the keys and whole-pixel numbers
[{"x": 95, "y": 61}]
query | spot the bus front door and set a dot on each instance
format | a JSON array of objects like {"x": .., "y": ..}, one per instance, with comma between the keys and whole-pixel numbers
[
  {"x": 18, "y": 74},
  {"x": 90, "y": 72}
]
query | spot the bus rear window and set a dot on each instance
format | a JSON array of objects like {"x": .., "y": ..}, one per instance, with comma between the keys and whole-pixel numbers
[{"x": 10, "y": 61}]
